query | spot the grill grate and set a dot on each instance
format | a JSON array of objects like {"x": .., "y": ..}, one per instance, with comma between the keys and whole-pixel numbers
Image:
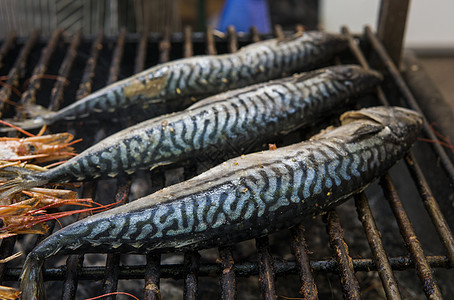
[{"x": 81, "y": 62}]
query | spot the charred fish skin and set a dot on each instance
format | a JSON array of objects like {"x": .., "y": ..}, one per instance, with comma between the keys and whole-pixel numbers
[
  {"x": 254, "y": 112},
  {"x": 204, "y": 75},
  {"x": 245, "y": 197}
]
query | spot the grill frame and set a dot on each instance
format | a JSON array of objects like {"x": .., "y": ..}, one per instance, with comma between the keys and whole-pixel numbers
[{"x": 267, "y": 267}]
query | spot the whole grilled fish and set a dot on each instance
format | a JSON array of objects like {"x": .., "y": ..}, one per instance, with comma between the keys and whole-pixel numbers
[
  {"x": 200, "y": 75},
  {"x": 245, "y": 197},
  {"x": 254, "y": 112}
]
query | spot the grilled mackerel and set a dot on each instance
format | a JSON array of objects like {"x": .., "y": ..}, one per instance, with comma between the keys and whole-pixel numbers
[
  {"x": 245, "y": 197},
  {"x": 255, "y": 112},
  {"x": 200, "y": 75}
]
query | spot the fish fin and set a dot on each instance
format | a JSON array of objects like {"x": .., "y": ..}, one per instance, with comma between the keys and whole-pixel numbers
[
  {"x": 38, "y": 116},
  {"x": 25, "y": 125},
  {"x": 32, "y": 284},
  {"x": 33, "y": 111},
  {"x": 360, "y": 130},
  {"x": 368, "y": 129},
  {"x": 18, "y": 179}
]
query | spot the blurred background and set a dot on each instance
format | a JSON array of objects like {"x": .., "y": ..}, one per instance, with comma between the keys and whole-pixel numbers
[
  {"x": 429, "y": 32},
  {"x": 430, "y": 27}
]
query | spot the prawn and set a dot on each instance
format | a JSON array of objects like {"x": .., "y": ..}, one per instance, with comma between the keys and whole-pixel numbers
[{"x": 37, "y": 148}]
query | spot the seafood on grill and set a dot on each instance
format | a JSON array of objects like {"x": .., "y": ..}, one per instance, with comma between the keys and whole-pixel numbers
[
  {"x": 254, "y": 112},
  {"x": 37, "y": 148},
  {"x": 29, "y": 212},
  {"x": 246, "y": 197},
  {"x": 26, "y": 211},
  {"x": 8, "y": 293},
  {"x": 200, "y": 75}
]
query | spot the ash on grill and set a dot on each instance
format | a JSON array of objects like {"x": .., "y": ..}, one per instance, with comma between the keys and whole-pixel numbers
[{"x": 341, "y": 253}]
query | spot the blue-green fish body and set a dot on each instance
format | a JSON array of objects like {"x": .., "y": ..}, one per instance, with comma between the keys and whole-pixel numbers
[
  {"x": 243, "y": 198},
  {"x": 214, "y": 124},
  {"x": 199, "y": 75}
]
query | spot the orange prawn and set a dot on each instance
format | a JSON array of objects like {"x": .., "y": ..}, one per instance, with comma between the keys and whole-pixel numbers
[
  {"x": 29, "y": 215},
  {"x": 8, "y": 293},
  {"x": 37, "y": 148}
]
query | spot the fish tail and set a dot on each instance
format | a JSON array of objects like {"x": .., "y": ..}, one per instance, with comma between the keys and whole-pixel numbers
[
  {"x": 38, "y": 116},
  {"x": 32, "y": 283},
  {"x": 18, "y": 179},
  {"x": 11, "y": 125}
]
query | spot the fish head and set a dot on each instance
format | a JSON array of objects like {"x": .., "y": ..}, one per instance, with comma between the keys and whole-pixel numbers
[
  {"x": 400, "y": 123},
  {"x": 355, "y": 77}
]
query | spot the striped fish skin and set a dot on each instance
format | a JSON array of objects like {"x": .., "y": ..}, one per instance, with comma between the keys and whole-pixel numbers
[
  {"x": 245, "y": 197},
  {"x": 255, "y": 112},
  {"x": 202, "y": 75}
]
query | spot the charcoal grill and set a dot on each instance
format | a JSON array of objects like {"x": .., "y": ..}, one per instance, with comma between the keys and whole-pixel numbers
[{"x": 294, "y": 263}]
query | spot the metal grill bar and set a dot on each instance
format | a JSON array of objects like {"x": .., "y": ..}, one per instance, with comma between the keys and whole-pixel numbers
[
  {"x": 358, "y": 54},
  {"x": 364, "y": 212},
  {"x": 74, "y": 262},
  {"x": 232, "y": 39},
  {"x": 191, "y": 281},
  {"x": 188, "y": 49},
  {"x": 211, "y": 48},
  {"x": 299, "y": 246},
  {"x": 117, "y": 56},
  {"x": 18, "y": 70},
  {"x": 406, "y": 93},
  {"x": 278, "y": 31},
  {"x": 404, "y": 223},
  {"x": 113, "y": 260},
  {"x": 391, "y": 26},
  {"x": 6, "y": 250},
  {"x": 255, "y": 37},
  {"x": 350, "y": 285},
  {"x": 29, "y": 96},
  {"x": 152, "y": 274},
  {"x": 63, "y": 73},
  {"x": 111, "y": 276},
  {"x": 376, "y": 245},
  {"x": 164, "y": 47},
  {"x": 266, "y": 272},
  {"x": 141, "y": 53},
  {"x": 86, "y": 83},
  {"x": 411, "y": 241},
  {"x": 432, "y": 207},
  {"x": 241, "y": 269},
  {"x": 7, "y": 45},
  {"x": 299, "y": 28},
  {"x": 227, "y": 278}
]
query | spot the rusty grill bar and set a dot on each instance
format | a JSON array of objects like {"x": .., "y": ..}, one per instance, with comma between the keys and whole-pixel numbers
[{"x": 153, "y": 48}]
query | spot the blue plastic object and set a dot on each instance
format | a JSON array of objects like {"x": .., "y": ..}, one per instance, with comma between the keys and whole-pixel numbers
[{"x": 245, "y": 13}]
